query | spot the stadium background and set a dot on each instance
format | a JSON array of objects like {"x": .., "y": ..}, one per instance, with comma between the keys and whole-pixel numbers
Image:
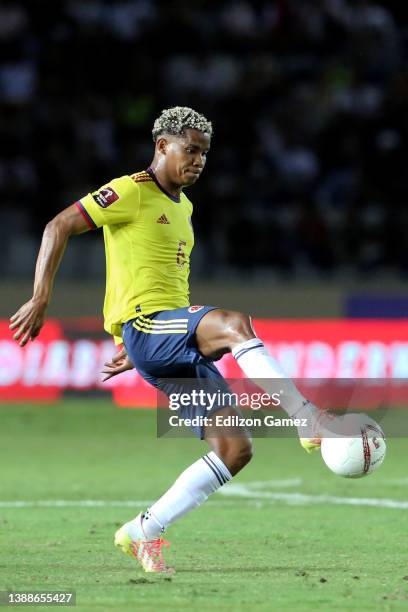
[{"x": 301, "y": 212}]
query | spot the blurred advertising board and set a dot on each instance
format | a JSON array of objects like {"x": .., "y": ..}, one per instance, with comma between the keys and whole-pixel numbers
[{"x": 69, "y": 355}]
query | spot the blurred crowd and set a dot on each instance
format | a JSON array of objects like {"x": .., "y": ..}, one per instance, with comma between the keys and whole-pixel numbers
[{"x": 309, "y": 101}]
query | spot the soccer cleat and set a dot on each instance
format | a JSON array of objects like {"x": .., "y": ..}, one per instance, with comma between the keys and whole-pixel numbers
[
  {"x": 149, "y": 553},
  {"x": 310, "y": 444},
  {"x": 319, "y": 429}
]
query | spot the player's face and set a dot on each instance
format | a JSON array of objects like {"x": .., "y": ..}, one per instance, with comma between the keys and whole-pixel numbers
[{"x": 186, "y": 157}]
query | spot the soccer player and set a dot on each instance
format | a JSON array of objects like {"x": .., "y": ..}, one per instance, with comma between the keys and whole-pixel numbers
[{"x": 148, "y": 233}]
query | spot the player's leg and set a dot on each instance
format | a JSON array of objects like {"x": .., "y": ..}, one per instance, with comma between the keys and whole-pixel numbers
[
  {"x": 192, "y": 488},
  {"x": 234, "y": 450},
  {"x": 224, "y": 331},
  {"x": 141, "y": 537}
]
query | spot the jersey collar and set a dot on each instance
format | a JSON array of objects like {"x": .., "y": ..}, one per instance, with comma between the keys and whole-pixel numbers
[{"x": 169, "y": 195}]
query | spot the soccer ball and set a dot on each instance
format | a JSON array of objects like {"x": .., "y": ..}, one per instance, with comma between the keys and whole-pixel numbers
[{"x": 357, "y": 447}]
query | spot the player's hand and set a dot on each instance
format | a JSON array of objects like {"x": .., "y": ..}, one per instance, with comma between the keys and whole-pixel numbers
[
  {"x": 28, "y": 321},
  {"x": 119, "y": 363}
]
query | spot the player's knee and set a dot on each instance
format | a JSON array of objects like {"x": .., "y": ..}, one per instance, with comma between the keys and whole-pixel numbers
[{"x": 237, "y": 327}]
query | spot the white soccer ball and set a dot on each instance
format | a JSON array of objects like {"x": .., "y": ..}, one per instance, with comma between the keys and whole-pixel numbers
[{"x": 356, "y": 449}]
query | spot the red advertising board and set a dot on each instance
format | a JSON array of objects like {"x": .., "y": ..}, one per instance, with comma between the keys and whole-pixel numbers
[
  {"x": 31, "y": 372},
  {"x": 71, "y": 357}
]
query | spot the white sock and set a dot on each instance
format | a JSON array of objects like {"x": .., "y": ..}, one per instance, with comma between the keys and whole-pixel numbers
[
  {"x": 259, "y": 365},
  {"x": 190, "y": 490}
]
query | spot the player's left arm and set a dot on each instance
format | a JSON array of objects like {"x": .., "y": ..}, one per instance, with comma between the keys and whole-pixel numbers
[{"x": 118, "y": 364}]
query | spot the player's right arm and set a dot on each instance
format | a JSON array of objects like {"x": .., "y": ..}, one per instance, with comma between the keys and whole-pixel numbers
[{"x": 29, "y": 319}]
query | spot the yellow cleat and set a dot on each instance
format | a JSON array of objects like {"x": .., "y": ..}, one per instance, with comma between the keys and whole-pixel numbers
[
  {"x": 310, "y": 444},
  {"x": 319, "y": 429},
  {"x": 124, "y": 541},
  {"x": 149, "y": 553}
]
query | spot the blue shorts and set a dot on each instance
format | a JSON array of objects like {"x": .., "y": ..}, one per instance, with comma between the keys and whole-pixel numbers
[{"x": 163, "y": 346}]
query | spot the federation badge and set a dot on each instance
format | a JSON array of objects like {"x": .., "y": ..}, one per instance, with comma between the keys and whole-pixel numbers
[
  {"x": 105, "y": 197},
  {"x": 195, "y": 308}
]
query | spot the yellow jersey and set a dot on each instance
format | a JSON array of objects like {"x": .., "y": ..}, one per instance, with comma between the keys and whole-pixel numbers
[{"x": 148, "y": 240}]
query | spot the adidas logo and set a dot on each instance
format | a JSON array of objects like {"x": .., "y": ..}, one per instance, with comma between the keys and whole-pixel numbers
[{"x": 163, "y": 219}]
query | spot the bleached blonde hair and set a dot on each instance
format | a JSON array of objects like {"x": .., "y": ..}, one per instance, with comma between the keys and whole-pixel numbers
[{"x": 179, "y": 118}]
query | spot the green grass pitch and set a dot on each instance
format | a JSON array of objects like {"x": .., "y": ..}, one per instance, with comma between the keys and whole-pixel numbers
[{"x": 271, "y": 544}]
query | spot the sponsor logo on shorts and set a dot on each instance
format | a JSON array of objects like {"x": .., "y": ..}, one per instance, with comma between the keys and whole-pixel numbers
[
  {"x": 195, "y": 308},
  {"x": 105, "y": 197}
]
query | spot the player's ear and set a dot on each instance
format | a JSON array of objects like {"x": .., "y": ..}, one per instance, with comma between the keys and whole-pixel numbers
[{"x": 161, "y": 145}]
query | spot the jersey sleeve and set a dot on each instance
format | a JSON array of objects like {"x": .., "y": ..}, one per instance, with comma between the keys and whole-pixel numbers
[{"x": 116, "y": 202}]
